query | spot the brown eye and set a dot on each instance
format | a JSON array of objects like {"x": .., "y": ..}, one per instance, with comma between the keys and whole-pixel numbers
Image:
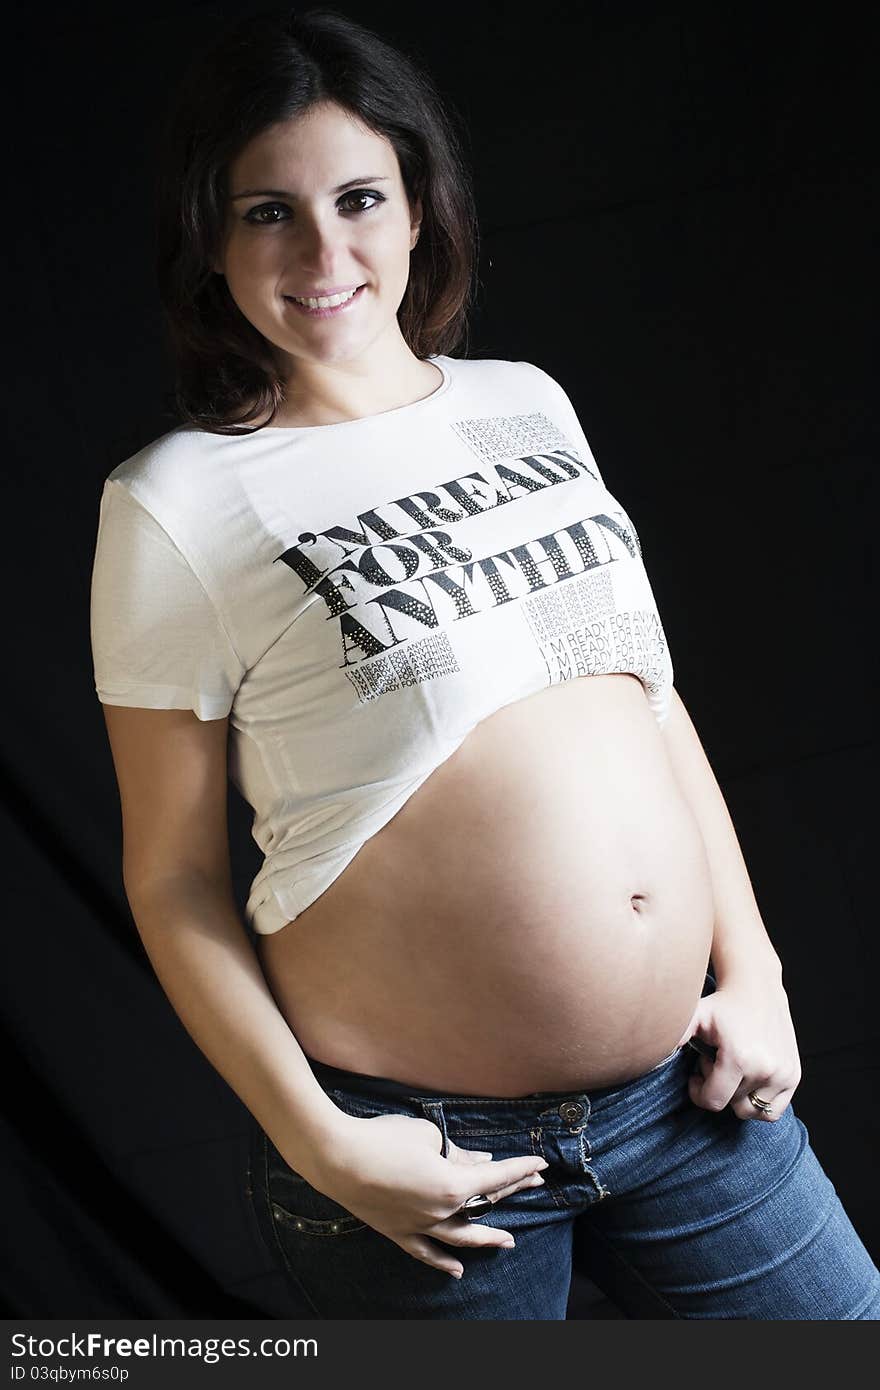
[
  {"x": 363, "y": 193},
  {"x": 264, "y": 207},
  {"x": 256, "y": 220}
]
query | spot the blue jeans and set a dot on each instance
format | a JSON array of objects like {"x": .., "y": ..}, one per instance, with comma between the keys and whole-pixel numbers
[{"x": 672, "y": 1210}]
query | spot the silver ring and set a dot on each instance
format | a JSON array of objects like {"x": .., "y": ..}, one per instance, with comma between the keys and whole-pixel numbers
[{"x": 475, "y": 1206}]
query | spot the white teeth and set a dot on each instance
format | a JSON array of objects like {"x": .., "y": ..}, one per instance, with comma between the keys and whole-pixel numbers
[{"x": 325, "y": 303}]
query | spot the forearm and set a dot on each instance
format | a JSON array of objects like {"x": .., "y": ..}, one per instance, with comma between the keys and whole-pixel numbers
[
  {"x": 207, "y": 967},
  {"x": 740, "y": 941}
]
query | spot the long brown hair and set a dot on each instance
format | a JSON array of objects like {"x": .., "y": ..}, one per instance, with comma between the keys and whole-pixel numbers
[{"x": 266, "y": 68}]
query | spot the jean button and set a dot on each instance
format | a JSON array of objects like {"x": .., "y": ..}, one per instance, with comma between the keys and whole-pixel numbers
[{"x": 571, "y": 1110}]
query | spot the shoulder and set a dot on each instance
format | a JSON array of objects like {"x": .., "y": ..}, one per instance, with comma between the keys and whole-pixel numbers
[
  {"x": 495, "y": 368},
  {"x": 167, "y": 474},
  {"x": 506, "y": 376},
  {"x": 168, "y": 453}
]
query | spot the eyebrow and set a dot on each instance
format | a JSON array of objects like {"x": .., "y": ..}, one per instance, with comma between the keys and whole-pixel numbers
[{"x": 280, "y": 193}]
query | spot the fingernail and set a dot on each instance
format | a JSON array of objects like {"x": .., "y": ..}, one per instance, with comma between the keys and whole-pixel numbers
[
  {"x": 543, "y": 1164},
  {"x": 508, "y": 1244},
  {"x": 456, "y": 1273}
]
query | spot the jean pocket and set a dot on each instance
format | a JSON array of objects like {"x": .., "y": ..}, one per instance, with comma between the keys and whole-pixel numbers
[{"x": 299, "y": 1208}]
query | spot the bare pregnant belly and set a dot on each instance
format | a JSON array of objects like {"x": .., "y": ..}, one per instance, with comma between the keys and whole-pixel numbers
[{"x": 537, "y": 916}]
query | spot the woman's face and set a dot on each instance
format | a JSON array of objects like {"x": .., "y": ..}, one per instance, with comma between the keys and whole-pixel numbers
[{"x": 290, "y": 231}]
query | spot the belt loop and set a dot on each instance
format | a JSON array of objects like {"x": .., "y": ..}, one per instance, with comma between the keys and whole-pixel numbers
[{"x": 434, "y": 1111}]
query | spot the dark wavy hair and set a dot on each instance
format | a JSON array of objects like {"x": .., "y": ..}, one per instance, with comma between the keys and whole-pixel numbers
[{"x": 266, "y": 68}]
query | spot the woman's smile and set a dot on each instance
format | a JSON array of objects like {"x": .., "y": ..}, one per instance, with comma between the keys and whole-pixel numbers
[{"x": 318, "y": 309}]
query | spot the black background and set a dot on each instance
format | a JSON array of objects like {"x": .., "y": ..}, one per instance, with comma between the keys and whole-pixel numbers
[{"x": 678, "y": 215}]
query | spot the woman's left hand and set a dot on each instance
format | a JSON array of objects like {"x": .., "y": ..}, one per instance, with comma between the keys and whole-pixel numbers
[{"x": 748, "y": 1021}]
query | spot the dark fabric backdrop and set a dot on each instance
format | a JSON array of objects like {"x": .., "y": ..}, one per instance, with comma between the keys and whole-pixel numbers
[{"x": 678, "y": 219}]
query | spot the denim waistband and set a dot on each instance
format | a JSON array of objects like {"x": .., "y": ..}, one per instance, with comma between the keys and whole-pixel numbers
[{"x": 337, "y": 1078}]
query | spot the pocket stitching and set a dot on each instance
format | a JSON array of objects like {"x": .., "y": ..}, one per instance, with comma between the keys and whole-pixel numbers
[{"x": 342, "y": 1225}]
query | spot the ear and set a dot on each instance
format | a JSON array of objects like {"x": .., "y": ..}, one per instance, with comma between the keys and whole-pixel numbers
[{"x": 415, "y": 223}]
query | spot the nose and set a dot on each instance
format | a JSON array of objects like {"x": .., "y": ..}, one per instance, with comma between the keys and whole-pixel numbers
[{"x": 321, "y": 245}]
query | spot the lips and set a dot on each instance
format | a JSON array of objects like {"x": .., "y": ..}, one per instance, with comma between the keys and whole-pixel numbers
[
  {"x": 324, "y": 294},
  {"x": 330, "y": 312}
]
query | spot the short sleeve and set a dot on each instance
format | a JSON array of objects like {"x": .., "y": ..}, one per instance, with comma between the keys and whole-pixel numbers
[
  {"x": 157, "y": 640},
  {"x": 568, "y": 418}
]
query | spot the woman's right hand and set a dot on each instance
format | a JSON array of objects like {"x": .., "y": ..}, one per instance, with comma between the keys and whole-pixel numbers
[{"x": 389, "y": 1171}]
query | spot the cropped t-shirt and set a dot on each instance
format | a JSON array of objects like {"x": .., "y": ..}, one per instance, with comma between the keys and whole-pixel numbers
[{"x": 357, "y": 596}]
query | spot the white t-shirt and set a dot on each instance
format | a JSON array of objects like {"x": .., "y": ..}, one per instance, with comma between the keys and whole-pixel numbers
[{"x": 358, "y": 596}]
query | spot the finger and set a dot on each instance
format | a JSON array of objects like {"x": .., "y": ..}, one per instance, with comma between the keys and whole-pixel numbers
[
  {"x": 535, "y": 1180},
  {"x": 431, "y": 1254},
  {"x": 778, "y": 1099},
  {"x": 472, "y": 1156},
  {"x": 493, "y": 1177},
  {"x": 459, "y": 1155},
  {"x": 457, "y": 1230},
  {"x": 713, "y": 1086}
]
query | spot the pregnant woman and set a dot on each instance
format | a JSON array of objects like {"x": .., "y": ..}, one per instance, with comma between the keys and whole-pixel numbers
[{"x": 385, "y": 589}]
